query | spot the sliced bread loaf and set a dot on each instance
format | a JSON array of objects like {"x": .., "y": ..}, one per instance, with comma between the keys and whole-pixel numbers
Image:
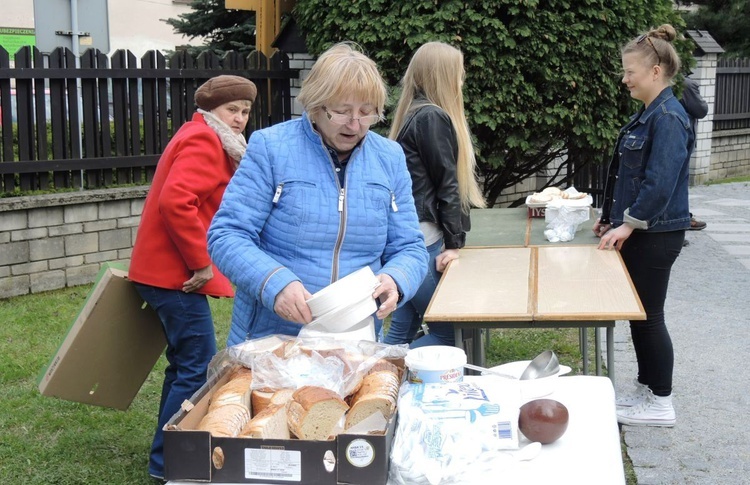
[
  {"x": 236, "y": 390},
  {"x": 378, "y": 392},
  {"x": 227, "y": 420},
  {"x": 314, "y": 412},
  {"x": 269, "y": 424}
]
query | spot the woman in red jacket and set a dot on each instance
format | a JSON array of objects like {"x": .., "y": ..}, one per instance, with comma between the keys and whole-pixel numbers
[{"x": 170, "y": 265}]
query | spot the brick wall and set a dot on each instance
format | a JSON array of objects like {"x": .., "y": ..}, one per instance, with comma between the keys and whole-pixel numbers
[
  {"x": 304, "y": 62},
  {"x": 53, "y": 241},
  {"x": 730, "y": 154}
]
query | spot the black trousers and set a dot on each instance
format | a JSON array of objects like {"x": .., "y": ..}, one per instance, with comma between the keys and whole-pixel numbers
[{"x": 649, "y": 257}]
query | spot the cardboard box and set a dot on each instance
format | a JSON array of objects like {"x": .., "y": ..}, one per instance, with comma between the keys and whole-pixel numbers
[
  {"x": 198, "y": 456},
  {"x": 536, "y": 212},
  {"x": 110, "y": 347},
  {"x": 535, "y": 209}
]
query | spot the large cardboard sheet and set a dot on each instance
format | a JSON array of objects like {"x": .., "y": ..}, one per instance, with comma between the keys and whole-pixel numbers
[{"x": 110, "y": 348}]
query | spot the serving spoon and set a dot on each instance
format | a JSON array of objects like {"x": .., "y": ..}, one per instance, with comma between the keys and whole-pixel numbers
[{"x": 543, "y": 365}]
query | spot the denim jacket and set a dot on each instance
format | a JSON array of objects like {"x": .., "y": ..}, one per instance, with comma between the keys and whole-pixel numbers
[{"x": 647, "y": 179}]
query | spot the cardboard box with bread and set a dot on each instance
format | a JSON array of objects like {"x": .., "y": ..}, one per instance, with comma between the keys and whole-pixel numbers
[{"x": 310, "y": 410}]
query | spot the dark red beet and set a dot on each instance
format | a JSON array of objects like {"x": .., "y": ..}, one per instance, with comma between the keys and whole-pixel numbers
[{"x": 543, "y": 420}]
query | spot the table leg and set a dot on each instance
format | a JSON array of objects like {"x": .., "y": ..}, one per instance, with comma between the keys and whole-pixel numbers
[
  {"x": 598, "y": 350},
  {"x": 611, "y": 354},
  {"x": 478, "y": 344},
  {"x": 460, "y": 335},
  {"x": 583, "y": 336}
]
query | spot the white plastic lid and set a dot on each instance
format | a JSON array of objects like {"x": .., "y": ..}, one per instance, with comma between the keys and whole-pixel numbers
[{"x": 435, "y": 357}]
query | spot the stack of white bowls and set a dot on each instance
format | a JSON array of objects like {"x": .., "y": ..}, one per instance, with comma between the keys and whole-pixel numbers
[{"x": 345, "y": 306}]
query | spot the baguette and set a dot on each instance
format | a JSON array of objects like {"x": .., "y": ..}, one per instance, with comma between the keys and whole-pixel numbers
[
  {"x": 314, "y": 412},
  {"x": 269, "y": 424}
]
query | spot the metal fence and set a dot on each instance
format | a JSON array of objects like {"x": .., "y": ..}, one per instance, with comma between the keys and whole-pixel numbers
[
  {"x": 732, "y": 108},
  {"x": 107, "y": 121}
]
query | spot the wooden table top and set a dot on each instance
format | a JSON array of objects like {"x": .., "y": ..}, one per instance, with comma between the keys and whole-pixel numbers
[
  {"x": 554, "y": 282},
  {"x": 512, "y": 227}
]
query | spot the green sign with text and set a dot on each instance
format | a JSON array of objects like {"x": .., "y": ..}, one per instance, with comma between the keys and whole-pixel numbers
[{"x": 13, "y": 38}]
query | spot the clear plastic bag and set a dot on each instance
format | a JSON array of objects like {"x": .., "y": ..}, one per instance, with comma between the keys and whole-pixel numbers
[
  {"x": 281, "y": 361},
  {"x": 456, "y": 433},
  {"x": 564, "y": 218}
]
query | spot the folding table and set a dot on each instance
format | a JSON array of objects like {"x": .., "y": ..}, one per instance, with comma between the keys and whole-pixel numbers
[{"x": 533, "y": 286}]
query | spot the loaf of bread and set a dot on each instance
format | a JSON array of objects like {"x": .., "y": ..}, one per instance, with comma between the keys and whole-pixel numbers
[
  {"x": 236, "y": 390},
  {"x": 269, "y": 424},
  {"x": 314, "y": 412},
  {"x": 227, "y": 420},
  {"x": 262, "y": 398},
  {"x": 551, "y": 193},
  {"x": 378, "y": 393},
  {"x": 282, "y": 397},
  {"x": 264, "y": 345},
  {"x": 540, "y": 198},
  {"x": 240, "y": 372}
]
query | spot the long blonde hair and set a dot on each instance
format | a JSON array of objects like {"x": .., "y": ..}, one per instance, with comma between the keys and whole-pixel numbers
[{"x": 436, "y": 71}]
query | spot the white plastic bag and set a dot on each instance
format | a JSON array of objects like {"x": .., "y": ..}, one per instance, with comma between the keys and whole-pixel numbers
[
  {"x": 454, "y": 432},
  {"x": 565, "y": 216}
]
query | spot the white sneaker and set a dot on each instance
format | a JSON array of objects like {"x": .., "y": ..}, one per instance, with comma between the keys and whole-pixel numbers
[
  {"x": 652, "y": 411},
  {"x": 633, "y": 397}
]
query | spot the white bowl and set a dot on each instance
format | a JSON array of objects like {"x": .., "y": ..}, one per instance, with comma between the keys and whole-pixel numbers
[
  {"x": 364, "y": 330},
  {"x": 347, "y": 291},
  {"x": 530, "y": 388},
  {"x": 343, "y": 318}
]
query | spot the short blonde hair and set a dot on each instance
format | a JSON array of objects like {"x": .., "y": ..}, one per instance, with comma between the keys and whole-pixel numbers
[{"x": 343, "y": 72}]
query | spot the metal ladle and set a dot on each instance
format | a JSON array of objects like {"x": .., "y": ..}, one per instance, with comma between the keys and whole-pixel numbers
[{"x": 543, "y": 365}]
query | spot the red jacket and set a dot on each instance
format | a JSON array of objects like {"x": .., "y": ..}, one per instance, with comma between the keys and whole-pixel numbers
[{"x": 188, "y": 185}]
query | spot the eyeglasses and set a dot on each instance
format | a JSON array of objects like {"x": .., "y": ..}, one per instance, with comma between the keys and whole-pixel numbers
[
  {"x": 343, "y": 119},
  {"x": 646, "y": 37}
]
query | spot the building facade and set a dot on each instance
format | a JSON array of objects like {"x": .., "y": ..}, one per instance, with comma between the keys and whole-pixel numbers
[{"x": 134, "y": 25}]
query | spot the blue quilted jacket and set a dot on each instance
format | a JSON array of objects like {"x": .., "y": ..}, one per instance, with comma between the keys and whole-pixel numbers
[{"x": 285, "y": 217}]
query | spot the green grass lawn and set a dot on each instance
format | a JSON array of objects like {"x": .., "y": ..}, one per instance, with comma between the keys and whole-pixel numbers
[{"x": 50, "y": 441}]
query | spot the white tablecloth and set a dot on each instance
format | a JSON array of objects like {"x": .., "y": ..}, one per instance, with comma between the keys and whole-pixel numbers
[{"x": 589, "y": 451}]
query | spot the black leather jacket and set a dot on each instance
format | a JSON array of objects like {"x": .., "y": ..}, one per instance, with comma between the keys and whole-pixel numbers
[{"x": 431, "y": 147}]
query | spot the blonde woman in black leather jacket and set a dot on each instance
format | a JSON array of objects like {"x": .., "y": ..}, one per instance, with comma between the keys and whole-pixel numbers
[{"x": 431, "y": 127}]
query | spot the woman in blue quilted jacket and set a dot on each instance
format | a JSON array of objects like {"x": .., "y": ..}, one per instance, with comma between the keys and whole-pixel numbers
[{"x": 315, "y": 199}]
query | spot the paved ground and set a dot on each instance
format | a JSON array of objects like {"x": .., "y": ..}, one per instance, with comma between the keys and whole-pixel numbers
[{"x": 708, "y": 315}]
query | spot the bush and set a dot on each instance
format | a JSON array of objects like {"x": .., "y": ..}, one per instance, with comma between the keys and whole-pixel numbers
[{"x": 543, "y": 78}]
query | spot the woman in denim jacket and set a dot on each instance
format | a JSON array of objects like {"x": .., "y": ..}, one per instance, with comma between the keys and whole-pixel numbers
[{"x": 645, "y": 214}]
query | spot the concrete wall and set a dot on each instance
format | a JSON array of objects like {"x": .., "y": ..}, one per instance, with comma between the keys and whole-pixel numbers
[{"x": 53, "y": 241}]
